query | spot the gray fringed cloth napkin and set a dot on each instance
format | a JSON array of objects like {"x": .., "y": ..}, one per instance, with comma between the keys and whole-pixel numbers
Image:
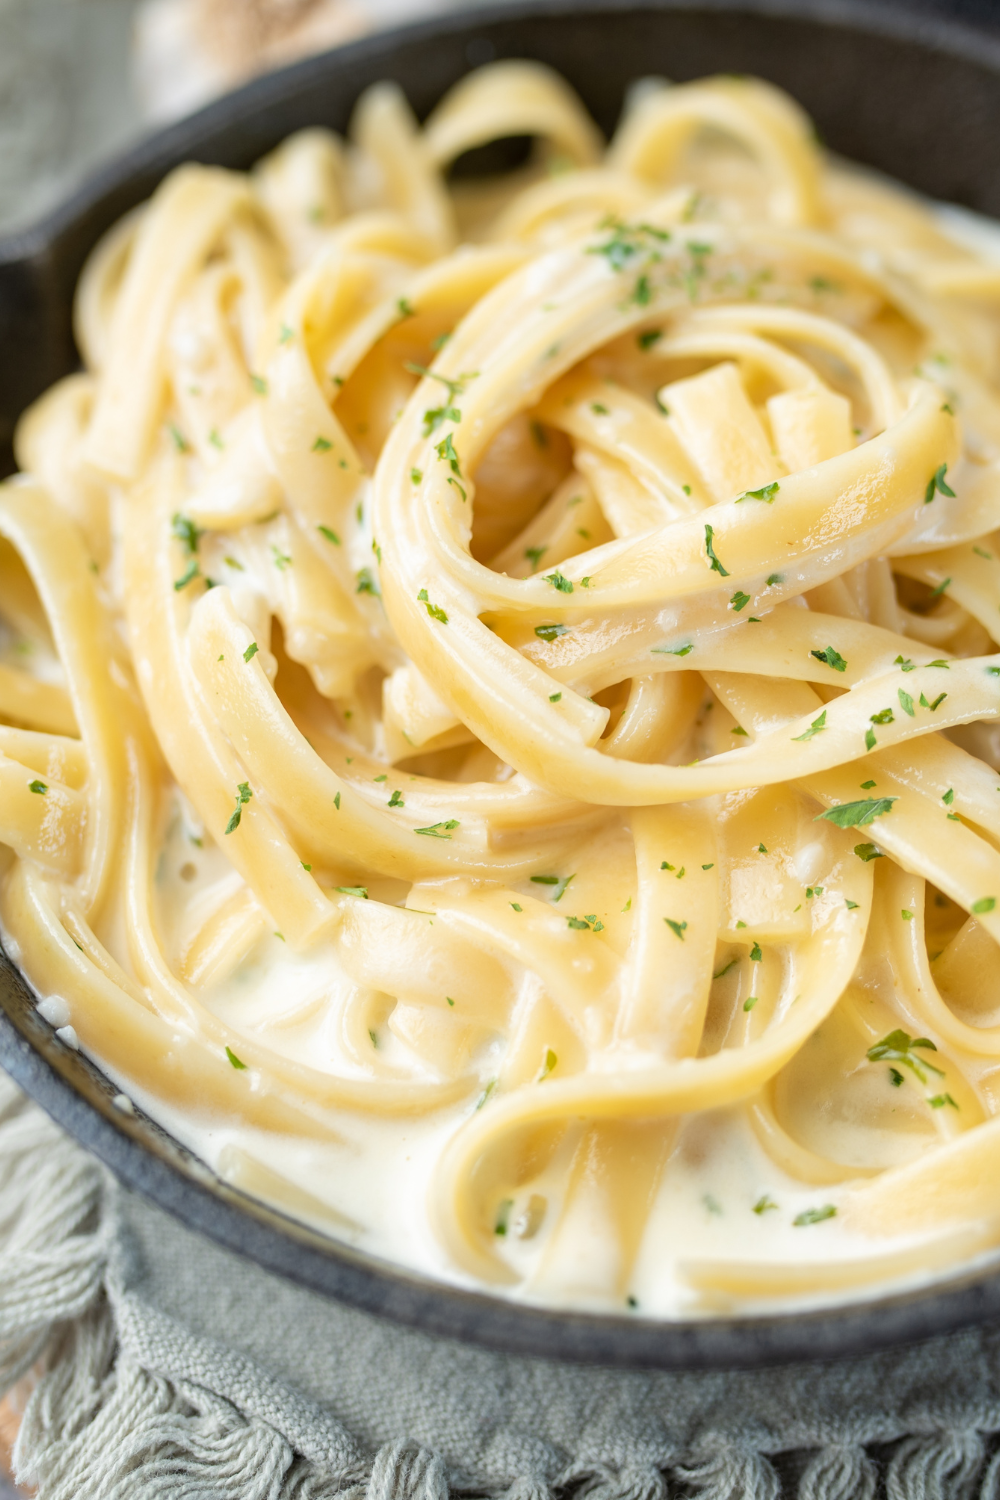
[{"x": 164, "y": 1368}]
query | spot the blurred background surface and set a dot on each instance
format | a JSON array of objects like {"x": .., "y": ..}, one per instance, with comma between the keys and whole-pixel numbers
[{"x": 81, "y": 79}]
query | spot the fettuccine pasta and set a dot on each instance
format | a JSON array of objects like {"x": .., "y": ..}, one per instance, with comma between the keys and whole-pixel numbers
[{"x": 500, "y": 698}]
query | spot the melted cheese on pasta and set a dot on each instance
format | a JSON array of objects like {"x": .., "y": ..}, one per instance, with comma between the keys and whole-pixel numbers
[{"x": 500, "y": 697}]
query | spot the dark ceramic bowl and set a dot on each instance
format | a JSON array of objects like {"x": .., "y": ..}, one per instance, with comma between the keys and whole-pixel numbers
[{"x": 915, "y": 95}]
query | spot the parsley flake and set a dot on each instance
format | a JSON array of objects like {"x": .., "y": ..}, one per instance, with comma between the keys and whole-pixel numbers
[
  {"x": 937, "y": 482},
  {"x": 445, "y": 451},
  {"x": 550, "y": 632},
  {"x": 814, "y": 1215},
  {"x": 38, "y": 787},
  {"x": 739, "y": 601},
  {"x": 235, "y": 1060},
  {"x": 186, "y": 532},
  {"x": 816, "y": 727},
  {"x": 434, "y": 610},
  {"x": 558, "y": 581},
  {"x": 435, "y": 415},
  {"x": 251, "y": 651},
  {"x": 243, "y": 795},
  {"x": 455, "y": 385},
  {"x": 677, "y": 928},
  {"x": 832, "y": 657},
  {"x": 899, "y": 1047},
  {"x": 714, "y": 562},
  {"x": 857, "y": 814},
  {"x": 439, "y": 830},
  {"x": 983, "y": 905},
  {"x": 766, "y": 493}
]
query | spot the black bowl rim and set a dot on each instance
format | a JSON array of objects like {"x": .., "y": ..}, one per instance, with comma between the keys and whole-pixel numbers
[
  {"x": 176, "y": 1181},
  {"x": 890, "y": 18}
]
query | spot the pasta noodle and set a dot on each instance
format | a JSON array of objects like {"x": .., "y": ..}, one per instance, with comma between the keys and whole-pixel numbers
[{"x": 500, "y": 697}]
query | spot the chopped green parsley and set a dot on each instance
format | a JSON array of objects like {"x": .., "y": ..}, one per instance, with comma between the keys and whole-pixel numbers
[
  {"x": 766, "y": 493},
  {"x": 857, "y": 814},
  {"x": 900, "y": 1047},
  {"x": 434, "y": 610},
  {"x": 243, "y": 795},
  {"x": 814, "y": 1215},
  {"x": 816, "y": 727},
  {"x": 832, "y": 658},
  {"x": 186, "y": 532},
  {"x": 714, "y": 563},
  {"x": 937, "y": 482}
]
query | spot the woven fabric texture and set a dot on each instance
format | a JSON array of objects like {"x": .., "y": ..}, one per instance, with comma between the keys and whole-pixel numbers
[{"x": 157, "y": 1365}]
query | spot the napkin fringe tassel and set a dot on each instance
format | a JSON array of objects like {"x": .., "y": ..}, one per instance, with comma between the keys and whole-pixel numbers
[{"x": 98, "y": 1426}]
